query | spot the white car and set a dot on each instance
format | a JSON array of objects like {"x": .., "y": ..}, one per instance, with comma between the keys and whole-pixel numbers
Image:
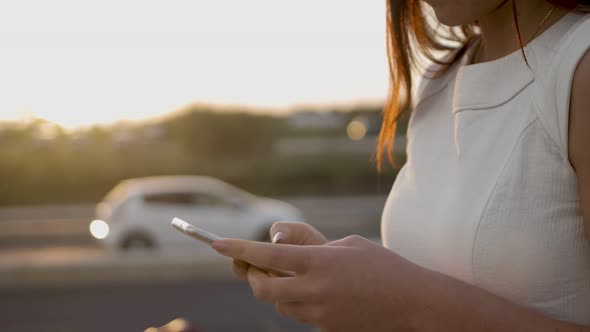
[{"x": 138, "y": 212}]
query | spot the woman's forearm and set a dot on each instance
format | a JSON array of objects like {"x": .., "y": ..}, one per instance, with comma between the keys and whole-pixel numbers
[{"x": 452, "y": 305}]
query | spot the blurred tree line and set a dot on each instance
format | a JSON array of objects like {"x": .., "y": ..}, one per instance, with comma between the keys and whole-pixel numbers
[{"x": 40, "y": 163}]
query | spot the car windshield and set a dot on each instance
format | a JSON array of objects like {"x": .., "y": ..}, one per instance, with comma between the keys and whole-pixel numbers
[
  {"x": 224, "y": 191},
  {"x": 238, "y": 194},
  {"x": 118, "y": 193}
]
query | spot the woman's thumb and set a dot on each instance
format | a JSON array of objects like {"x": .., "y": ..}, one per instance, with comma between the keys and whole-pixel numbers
[
  {"x": 295, "y": 233},
  {"x": 278, "y": 236}
]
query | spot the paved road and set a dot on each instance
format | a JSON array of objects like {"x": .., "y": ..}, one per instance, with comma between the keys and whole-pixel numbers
[
  {"x": 87, "y": 266},
  {"x": 217, "y": 306},
  {"x": 41, "y": 246}
]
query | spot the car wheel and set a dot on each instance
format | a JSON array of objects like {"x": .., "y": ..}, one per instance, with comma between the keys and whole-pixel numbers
[{"x": 138, "y": 241}]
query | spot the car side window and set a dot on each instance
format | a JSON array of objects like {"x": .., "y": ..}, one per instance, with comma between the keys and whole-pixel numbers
[
  {"x": 207, "y": 200},
  {"x": 178, "y": 198},
  {"x": 188, "y": 199}
]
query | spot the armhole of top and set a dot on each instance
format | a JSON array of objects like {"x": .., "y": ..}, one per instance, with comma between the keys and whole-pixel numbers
[
  {"x": 575, "y": 51},
  {"x": 568, "y": 56}
]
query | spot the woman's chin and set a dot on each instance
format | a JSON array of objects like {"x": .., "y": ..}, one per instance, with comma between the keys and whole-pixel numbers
[
  {"x": 451, "y": 20},
  {"x": 450, "y": 15}
]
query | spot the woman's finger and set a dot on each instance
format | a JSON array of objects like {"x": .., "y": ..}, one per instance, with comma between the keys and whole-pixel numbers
[
  {"x": 300, "y": 311},
  {"x": 349, "y": 241},
  {"x": 284, "y": 257},
  {"x": 296, "y": 233},
  {"x": 269, "y": 289},
  {"x": 240, "y": 269}
]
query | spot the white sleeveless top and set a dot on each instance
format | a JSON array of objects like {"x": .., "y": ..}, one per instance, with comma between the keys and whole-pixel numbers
[{"x": 488, "y": 195}]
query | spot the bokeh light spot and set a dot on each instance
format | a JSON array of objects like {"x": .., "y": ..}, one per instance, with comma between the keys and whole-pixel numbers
[
  {"x": 356, "y": 130},
  {"x": 99, "y": 229}
]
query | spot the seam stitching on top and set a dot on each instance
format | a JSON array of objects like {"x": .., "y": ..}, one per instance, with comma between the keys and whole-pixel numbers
[{"x": 494, "y": 188}]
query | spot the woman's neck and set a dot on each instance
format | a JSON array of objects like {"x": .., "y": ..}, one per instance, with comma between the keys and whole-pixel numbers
[{"x": 499, "y": 36}]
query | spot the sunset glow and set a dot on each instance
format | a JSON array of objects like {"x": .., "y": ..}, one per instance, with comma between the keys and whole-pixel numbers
[{"x": 82, "y": 62}]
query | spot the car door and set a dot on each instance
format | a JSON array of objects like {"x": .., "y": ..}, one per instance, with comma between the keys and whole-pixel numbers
[
  {"x": 225, "y": 216},
  {"x": 160, "y": 208}
]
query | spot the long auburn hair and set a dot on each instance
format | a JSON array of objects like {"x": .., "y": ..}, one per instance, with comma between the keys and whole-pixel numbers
[{"x": 408, "y": 24}]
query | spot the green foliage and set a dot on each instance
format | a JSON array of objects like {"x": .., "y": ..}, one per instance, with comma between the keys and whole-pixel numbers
[
  {"x": 40, "y": 164},
  {"x": 215, "y": 134}
]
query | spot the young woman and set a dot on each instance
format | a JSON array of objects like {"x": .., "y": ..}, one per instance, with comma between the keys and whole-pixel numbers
[{"x": 487, "y": 225}]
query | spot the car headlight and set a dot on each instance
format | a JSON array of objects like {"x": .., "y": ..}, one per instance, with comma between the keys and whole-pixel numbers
[{"x": 99, "y": 229}]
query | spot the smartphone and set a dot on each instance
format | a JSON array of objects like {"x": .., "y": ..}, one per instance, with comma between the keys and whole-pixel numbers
[
  {"x": 208, "y": 238},
  {"x": 193, "y": 231}
]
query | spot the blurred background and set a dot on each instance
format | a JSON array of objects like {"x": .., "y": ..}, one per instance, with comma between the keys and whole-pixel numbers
[{"x": 116, "y": 116}]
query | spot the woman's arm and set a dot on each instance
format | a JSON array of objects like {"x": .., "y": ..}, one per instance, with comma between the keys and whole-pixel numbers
[
  {"x": 356, "y": 285},
  {"x": 455, "y": 307},
  {"x": 579, "y": 133}
]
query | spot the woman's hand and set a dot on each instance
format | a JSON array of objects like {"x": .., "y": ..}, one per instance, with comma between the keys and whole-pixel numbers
[
  {"x": 287, "y": 233},
  {"x": 348, "y": 285}
]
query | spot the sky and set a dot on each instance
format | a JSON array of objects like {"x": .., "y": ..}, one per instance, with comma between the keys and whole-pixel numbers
[{"x": 78, "y": 62}]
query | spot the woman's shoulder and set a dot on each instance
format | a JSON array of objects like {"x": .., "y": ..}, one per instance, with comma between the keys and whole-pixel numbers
[
  {"x": 560, "y": 41},
  {"x": 574, "y": 43},
  {"x": 576, "y": 24}
]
